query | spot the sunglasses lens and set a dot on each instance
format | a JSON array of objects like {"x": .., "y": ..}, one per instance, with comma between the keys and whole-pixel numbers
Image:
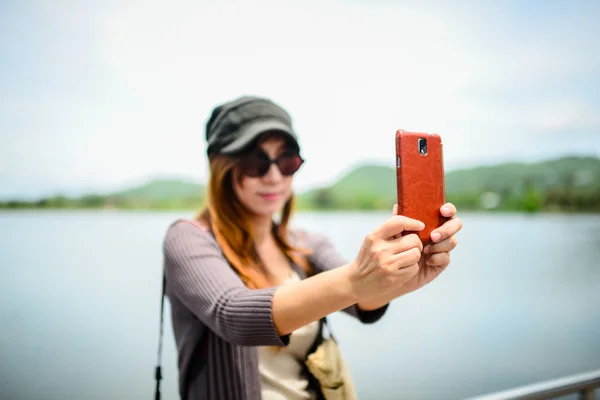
[
  {"x": 289, "y": 164},
  {"x": 258, "y": 164},
  {"x": 255, "y": 165}
]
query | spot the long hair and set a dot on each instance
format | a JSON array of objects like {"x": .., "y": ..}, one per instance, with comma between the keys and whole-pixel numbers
[{"x": 230, "y": 222}]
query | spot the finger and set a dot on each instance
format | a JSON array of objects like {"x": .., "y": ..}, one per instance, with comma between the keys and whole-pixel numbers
[
  {"x": 449, "y": 228},
  {"x": 404, "y": 259},
  {"x": 438, "y": 260},
  {"x": 448, "y": 210},
  {"x": 395, "y": 212},
  {"x": 407, "y": 272},
  {"x": 444, "y": 246},
  {"x": 396, "y": 225},
  {"x": 404, "y": 243}
]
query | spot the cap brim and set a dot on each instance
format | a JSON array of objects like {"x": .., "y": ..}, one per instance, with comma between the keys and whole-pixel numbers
[{"x": 253, "y": 130}]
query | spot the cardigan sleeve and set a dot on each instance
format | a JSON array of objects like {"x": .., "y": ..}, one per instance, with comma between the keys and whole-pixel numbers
[
  {"x": 200, "y": 277},
  {"x": 324, "y": 257}
]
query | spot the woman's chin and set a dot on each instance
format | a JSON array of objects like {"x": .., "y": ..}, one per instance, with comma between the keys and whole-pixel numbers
[{"x": 268, "y": 209}]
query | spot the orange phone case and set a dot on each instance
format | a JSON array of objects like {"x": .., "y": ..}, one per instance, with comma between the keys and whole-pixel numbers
[{"x": 420, "y": 179}]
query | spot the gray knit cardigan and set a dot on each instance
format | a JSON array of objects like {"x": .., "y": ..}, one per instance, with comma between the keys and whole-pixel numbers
[{"x": 207, "y": 296}]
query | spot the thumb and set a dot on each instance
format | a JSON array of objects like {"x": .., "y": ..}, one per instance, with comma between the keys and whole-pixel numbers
[
  {"x": 396, "y": 225},
  {"x": 395, "y": 212}
]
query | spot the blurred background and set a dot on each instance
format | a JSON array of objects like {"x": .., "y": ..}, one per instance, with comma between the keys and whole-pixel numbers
[{"x": 102, "y": 112}]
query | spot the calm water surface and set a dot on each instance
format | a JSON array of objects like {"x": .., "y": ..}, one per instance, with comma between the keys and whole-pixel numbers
[{"x": 80, "y": 293}]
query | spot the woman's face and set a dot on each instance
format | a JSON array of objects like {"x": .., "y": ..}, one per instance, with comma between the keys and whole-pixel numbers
[{"x": 266, "y": 194}]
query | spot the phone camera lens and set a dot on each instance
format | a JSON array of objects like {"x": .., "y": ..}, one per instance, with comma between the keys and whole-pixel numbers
[{"x": 422, "y": 146}]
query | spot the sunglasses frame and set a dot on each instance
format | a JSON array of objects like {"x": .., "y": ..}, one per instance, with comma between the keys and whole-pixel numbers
[{"x": 262, "y": 156}]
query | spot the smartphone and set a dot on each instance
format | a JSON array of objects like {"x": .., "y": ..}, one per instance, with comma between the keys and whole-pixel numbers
[{"x": 420, "y": 179}]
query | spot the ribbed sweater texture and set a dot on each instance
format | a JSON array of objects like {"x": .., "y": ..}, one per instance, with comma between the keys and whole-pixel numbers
[{"x": 206, "y": 295}]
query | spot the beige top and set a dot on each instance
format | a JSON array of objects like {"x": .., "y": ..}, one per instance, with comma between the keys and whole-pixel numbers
[{"x": 280, "y": 368}]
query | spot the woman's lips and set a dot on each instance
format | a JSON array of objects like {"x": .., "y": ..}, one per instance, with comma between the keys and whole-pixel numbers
[{"x": 269, "y": 196}]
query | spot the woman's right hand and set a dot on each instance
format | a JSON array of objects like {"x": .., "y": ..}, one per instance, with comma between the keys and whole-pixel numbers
[{"x": 387, "y": 259}]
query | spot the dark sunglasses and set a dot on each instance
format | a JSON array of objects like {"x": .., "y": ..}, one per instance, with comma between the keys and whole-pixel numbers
[{"x": 257, "y": 163}]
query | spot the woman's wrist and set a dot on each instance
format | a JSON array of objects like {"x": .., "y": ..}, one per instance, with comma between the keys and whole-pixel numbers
[
  {"x": 380, "y": 300},
  {"x": 297, "y": 304},
  {"x": 374, "y": 303},
  {"x": 349, "y": 284}
]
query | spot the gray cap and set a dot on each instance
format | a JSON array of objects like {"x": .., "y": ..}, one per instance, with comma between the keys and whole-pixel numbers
[{"x": 234, "y": 125}]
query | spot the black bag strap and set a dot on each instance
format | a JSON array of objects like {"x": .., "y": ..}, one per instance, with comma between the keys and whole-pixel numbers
[
  {"x": 200, "y": 349},
  {"x": 313, "y": 383},
  {"x": 199, "y": 352},
  {"x": 158, "y": 371}
]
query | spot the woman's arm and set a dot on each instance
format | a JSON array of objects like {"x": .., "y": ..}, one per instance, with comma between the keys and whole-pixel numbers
[
  {"x": 325, "y": 257},
  {"x": 200, "y": 277}
]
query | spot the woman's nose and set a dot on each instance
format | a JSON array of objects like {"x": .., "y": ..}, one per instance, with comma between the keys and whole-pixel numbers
[{"x": 273, "y": 174}]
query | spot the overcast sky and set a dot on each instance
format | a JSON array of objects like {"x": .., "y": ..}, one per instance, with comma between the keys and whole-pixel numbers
[{"x": 105, "y": 94}]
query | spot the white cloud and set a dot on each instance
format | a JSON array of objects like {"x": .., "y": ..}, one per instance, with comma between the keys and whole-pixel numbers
[
  {"x": 350, "y": 75},
  {"x": 566, "y": 116}
]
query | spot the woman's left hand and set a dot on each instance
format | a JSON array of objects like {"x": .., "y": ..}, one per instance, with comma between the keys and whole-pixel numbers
[{"x": 436, "y": 255}]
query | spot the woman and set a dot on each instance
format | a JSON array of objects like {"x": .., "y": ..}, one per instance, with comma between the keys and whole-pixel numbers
[{"x": 247, "y": 294}]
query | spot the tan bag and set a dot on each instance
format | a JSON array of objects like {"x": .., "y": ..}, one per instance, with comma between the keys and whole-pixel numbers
[{"x": 329, "y": 368}]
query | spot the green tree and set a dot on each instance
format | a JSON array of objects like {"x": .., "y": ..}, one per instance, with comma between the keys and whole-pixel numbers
[{"x": 323, "y": 199}]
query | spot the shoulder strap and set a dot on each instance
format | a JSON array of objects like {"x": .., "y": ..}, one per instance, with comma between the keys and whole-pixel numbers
[
  {"x": 203, "y": 340},
  {"x": 157, "y": 371}
]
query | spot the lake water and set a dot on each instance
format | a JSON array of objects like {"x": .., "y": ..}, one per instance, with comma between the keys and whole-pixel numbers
[{"x": 80, "y": 296}]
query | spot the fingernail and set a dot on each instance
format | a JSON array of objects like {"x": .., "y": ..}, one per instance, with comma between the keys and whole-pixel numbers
[
  {"x": 422, "y": 225},
  {"x": 435, "y": 236},
  {"x": 426, "y": 249},
  {"x": 445, "y": 209}
]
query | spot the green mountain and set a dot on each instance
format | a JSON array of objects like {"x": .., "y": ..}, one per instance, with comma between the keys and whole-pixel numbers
[
  {"x": 365, "y": 187},
  {"x": 160, "y": 190},
  {"x": 569, "y": 183},
  {"x": 565, "y": 184},
  {"x": 159, "y": 194},
  {"x": 583, "y": 172}
]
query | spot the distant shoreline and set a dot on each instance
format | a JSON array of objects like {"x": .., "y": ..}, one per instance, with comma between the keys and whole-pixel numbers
[
  {"x": 565, "y": 185},
  {"x": 191, "y": 212},
  {"x": 298, "y": 210}
]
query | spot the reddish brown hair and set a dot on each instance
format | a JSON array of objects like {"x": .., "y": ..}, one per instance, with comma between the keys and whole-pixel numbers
[{"x": 230, "y": 222}]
